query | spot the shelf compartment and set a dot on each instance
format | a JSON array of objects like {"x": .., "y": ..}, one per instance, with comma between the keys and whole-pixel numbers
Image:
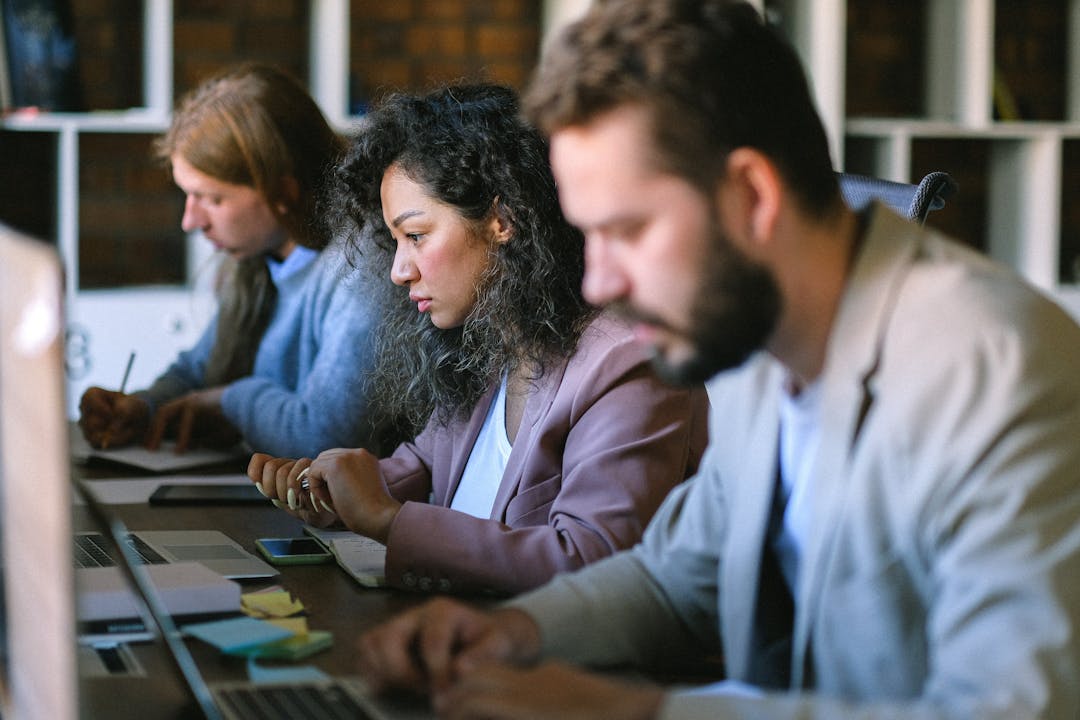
[
  {"x": 129, "y": 215},
  {"x": 28, "y": 175},
  {"x": 1069, "y": 245}
]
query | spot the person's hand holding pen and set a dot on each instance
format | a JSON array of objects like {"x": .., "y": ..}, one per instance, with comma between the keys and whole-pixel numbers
[
  {"x": 112, "y": 418},
  {"x": 339, "y": 485}
]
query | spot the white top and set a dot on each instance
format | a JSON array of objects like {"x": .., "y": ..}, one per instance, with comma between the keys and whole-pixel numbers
[
  {"x": 487, "y": 462},
  {"x": 800, "y": 435}
]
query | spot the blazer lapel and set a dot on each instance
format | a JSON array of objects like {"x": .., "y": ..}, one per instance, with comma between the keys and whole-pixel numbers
[
  {"x": 752, "y": 485},
  {"x": 851, "y": 362},
  {"x": 468, "y": 438},
  {"x": 537, "y": 406}
]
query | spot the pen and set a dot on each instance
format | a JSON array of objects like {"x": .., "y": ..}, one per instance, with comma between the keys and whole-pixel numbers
[
  {"x": 127, "y": 372},
  {"x": 123, "y": 388}
]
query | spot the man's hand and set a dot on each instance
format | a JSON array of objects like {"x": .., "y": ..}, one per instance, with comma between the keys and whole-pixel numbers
[
  {"x": 426, "y": 648},
  {"x": 194, "y": 419},
  {"x": 551, "y": 691},
  {"x": 112, "y": 419}
]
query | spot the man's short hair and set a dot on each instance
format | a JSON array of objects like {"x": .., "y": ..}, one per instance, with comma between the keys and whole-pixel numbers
[{"x": 713, "y": 77}]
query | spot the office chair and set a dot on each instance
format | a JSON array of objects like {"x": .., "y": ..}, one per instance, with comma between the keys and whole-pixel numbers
[{"x": 912, "y": 201}]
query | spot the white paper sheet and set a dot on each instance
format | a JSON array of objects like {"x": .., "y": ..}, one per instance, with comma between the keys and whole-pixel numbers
[{"x": 164, "y": 459}]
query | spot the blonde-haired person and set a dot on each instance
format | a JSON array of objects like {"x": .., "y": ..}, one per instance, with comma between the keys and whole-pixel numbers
[{"x": 281, "y": 364}]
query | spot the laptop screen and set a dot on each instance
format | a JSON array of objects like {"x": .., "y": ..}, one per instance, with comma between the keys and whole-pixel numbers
[{"x": 39, "y": 677}]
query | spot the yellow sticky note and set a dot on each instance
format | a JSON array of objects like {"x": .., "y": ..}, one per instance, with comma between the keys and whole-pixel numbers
[
  {"x": 295, "y": 625},
  {"x": 270, "y": 604}
]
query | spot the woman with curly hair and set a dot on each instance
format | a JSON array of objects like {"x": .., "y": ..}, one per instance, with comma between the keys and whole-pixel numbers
[{"x": 547, "y": 440}]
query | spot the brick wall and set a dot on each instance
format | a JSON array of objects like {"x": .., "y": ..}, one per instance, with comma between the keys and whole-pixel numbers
[{"x": 420, "y": 43}]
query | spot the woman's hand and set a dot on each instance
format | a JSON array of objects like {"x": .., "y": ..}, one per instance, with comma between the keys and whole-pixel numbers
[
  {"x": 112, "y": 419},
  {"x": 279, "y": 479},
  {"x": 194, "y": 419},
  {"x": 351, "y": 484},
  {"x": 340, "y": 484}
]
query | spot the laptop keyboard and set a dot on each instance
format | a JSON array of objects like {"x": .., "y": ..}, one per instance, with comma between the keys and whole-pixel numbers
[
  {"x": 91, "y": 551},
  {"x": 287, "y": 702}
]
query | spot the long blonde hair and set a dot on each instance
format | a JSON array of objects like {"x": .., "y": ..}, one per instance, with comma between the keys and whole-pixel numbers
[{"x": 254, "y": 125}]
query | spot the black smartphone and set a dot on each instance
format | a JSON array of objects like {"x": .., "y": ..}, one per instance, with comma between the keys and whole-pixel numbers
[
  {"x": 293, "y": 551},
  {"x": 207, "y": 494}
]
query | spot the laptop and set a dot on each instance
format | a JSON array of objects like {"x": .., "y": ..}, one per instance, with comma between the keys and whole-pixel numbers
[
  {"x": 189, "y": 568},
  {"x": 39, "y": 679},
  {"x": 212, "y": 548},
  {"x": 39, "y": 672}
]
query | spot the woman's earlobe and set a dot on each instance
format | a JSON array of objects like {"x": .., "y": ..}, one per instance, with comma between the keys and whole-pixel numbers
[{"x": 501, "y": 227}]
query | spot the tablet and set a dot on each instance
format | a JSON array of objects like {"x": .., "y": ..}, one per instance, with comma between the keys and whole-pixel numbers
[{"x": 207, "y": 494}]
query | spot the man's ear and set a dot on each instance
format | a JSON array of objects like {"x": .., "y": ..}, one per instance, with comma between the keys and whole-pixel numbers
[
  {"x": 499, "y": 225},
  {"x": 750, "y": 193}
]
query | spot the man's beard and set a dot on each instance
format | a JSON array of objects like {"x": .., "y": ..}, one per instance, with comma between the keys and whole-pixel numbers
[{"x": 736, "y": 309}]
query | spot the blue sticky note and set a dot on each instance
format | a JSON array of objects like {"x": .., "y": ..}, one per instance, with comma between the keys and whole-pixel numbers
[
  {"x": 261, "y": 674},
  {"x": 238, "y": 633}
]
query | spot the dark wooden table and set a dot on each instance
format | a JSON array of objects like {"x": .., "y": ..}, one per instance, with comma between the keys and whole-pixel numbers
[{"x": 333, "y": 601}]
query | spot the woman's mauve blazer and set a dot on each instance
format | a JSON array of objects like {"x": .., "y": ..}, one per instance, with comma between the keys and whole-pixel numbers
[{"x": 601, "y": 443}]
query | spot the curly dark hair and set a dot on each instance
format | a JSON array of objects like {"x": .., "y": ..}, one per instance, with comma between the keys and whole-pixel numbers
[{"x": 468, "y": 146}]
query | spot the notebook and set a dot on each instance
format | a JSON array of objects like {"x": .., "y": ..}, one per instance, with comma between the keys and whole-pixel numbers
[
  {"x": 38, "y": 649},
  {"x": 165, "y": 459},
  {"x": 362, "y": 558}
]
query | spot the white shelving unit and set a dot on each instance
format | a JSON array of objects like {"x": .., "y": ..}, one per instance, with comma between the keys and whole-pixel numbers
[
  {"x": 1024, "y": 173},
  {"x": 159, "y": 321}
]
